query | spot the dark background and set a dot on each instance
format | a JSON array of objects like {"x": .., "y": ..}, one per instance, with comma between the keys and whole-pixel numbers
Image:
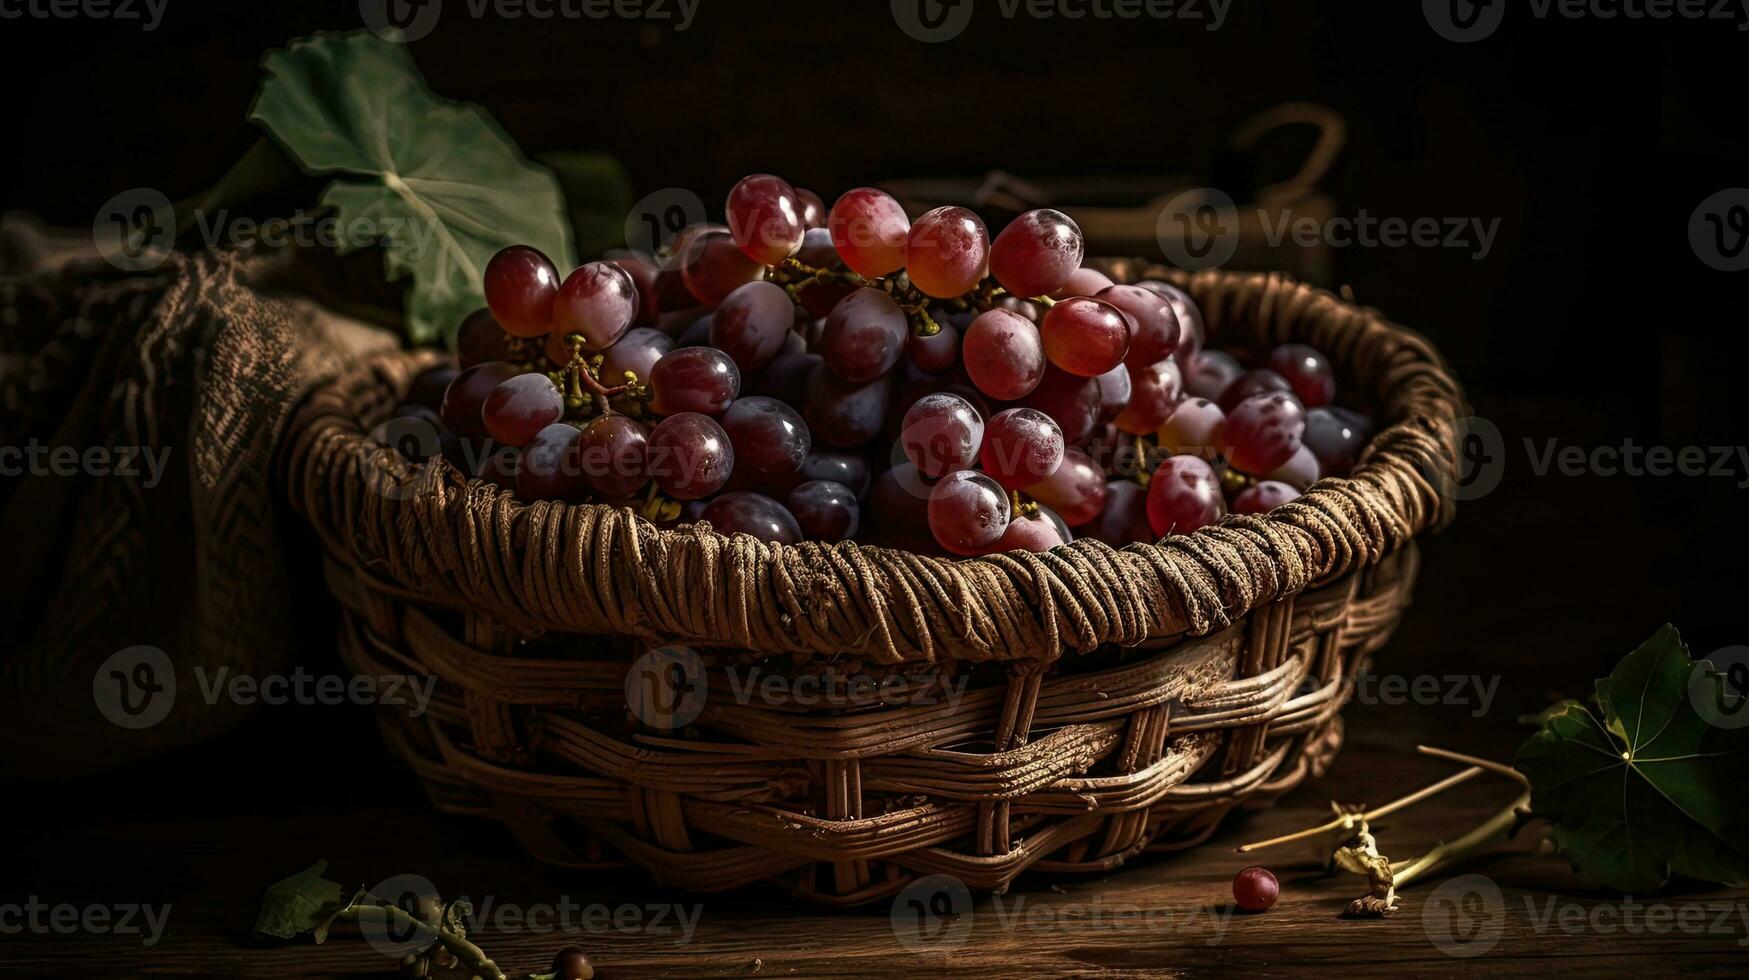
[{"x": 1591, "y": 321}]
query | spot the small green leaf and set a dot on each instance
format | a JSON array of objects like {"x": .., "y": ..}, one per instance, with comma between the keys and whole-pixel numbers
[
  {"x": 1648, "y": 789},
  {"x": 436, "y": 182},
  {"x": 304, "y": 903}
]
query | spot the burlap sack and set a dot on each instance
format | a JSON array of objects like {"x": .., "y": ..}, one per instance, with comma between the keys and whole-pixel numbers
[{"x": 170, "y": 535}]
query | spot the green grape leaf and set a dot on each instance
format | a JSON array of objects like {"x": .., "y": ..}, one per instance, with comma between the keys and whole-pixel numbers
[
  {"x": 437, "y": 183},
  {"x": 1645, "y": 786},
  {"x": 304, "y": 903}
]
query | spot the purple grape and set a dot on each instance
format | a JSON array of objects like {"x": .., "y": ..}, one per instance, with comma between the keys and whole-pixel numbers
[
  {"x": 752, "y": 323},
  {"x": 770, "y": 439},
  {"x": 614, "y": 456},
  {"x": 694, "y": 379},
  {"x": 756, "y": 514},
  {"x": 690, "y": 456},
  {"x": 865, "y": 336},
  {"x": 826, "y": 511}
]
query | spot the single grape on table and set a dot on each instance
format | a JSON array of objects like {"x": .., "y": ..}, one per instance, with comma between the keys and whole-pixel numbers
[{"x": 859, "y": 373}]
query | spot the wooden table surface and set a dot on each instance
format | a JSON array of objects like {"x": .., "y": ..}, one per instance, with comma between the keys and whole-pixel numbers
[{"x": 1514, "y": 912}]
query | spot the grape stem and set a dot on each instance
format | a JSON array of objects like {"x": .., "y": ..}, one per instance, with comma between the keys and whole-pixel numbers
[{"x": 579, "y": 371}]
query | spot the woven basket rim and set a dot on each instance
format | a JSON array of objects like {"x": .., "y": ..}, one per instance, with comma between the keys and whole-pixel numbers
[{"x": 595, "y": 568}]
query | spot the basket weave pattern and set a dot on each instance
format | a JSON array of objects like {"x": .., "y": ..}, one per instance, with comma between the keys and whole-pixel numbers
[{"x": 1063, "y": 712}]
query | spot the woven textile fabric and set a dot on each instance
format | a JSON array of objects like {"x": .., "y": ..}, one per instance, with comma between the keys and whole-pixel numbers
[{"x": 175, "y": 386}]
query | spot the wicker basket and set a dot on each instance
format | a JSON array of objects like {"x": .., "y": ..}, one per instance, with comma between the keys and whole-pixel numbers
[{"x": 1113, "y": 701}]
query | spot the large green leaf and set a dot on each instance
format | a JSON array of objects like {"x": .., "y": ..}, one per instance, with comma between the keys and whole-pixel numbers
[
  {"x": 1650, "y": 789},
  {"x": 304, "y": 903},
  {"x": 437, "y": 180}
]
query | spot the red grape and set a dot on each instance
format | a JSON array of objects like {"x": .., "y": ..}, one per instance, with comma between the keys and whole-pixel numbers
[
  {"x": 1300, "y": 470},
  {"x": 690, "y": 456},
  {"x": 935, "y": 352},
  {"x": 967, "y": 512},
  {"x": 1037, "y": 253},
  {"x": 644, "y": 277},
  {"x": 1035, "y": 534},
  {"x": 785, "y": 378},
  {"x": 1021, "y": 447},
  {"x": 770, "y": 439},
  {"x": 1251, "y": 383},
  {"x": 518, "y": 408},
  {"x": 1191, "y": 331},
  {"x": 713, "y": 266},
  {"x": 1076, "y": 491},
  {"x": 1255, "y": 889},
  {"x": 1003, "y": 355},
  {"x": 842, "y": 414},
  {"x": 1262, "y": 496},
  {"x": 481, "y": 339},
  {"x": 1082, "y": 282},
  {"x": 743, "y": 512},
  {"x": 550, "y": 467},
  {"x": 1263, "y": 432},
  {"x": 1307, "y": 373},
  {"x": 1085, "y": 336},
  {"x": 520, "y": 285},
  {"x": 1183, "y": 495},
  {"x": 947, "y": 252},
  {"x": 1194, "y": 427},
  {"x": 846, "y": 469},
  {"x": 635, "y": 353},
  {"x": 869, "y": 229},
  {"x": 694, "y": 379},
  {"x": 598, "y": 300},
  {"x": 864, "y": 336},
  {"x": 1154, "y": 389},
  {"x": 615, "y": 455},
  {"x": 942, "y": 433},
  {"x": 1125, "y": 517},
  {"x": 1070, "y": 400},
  {"x": 898, "y": 510},
  {"x": 1153, "y": 324},
  {"x": 1114, "y": 392},
  {"x": 765, "y": 218},
  {"x": 696, "y": 334},
  {"x": 430, "y": 384},
  {"x": 1025, "y": 307},
  {"x": 1335, "y": 436},
  {"x": 467, "y": 394},
  {"x": 752, "y": 324},
  {"x": 813, "y": 209},
  {"x": 1209, "y": 374},
  {"x": 827, "y": 511}
]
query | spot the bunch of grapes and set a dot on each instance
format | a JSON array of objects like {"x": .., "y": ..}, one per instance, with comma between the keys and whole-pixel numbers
[{"x": 804, "y": 373}]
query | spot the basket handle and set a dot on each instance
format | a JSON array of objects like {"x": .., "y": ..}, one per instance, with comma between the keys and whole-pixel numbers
[{"x": 1332, "y": 134}]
